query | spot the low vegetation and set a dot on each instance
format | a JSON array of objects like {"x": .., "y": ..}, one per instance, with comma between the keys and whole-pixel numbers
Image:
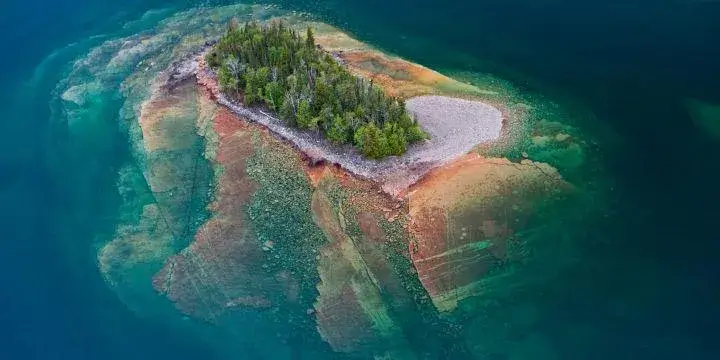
[{"x": 274, "y": 65}]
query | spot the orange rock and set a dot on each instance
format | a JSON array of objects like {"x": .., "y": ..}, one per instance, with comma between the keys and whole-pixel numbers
[
  {"x": 461, "y": 216},
  {"x": 215, "y": 272}
]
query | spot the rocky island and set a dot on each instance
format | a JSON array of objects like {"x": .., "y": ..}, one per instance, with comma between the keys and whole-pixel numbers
[
  {"x": 278, "y": 241},
  {"x": 427, "y": 132}
]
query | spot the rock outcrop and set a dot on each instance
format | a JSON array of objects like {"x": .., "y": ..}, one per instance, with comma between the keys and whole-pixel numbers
[
  {"x": 354, "y": 312},
  {"x": 464, "y": 219},
  {"x": 276, "y": 252}
]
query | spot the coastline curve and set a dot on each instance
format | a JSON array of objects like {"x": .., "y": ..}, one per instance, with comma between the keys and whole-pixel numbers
[{"x": 455, "y": 127}]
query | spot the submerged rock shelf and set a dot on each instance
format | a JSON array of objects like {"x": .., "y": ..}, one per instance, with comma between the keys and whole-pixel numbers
[{"x": 224, "y": 222}]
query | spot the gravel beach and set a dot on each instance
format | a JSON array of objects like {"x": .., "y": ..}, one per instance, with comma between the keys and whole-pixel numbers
[{"x": 455, "y": 126}]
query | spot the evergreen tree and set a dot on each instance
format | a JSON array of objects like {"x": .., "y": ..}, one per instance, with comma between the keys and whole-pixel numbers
[
  {"x": 304, "y": 116},
  {"x": 273, "y": 64},
  {"x": 338, "y": 131},
  {"x": 288, "y": 110},
  {"x": 396, "y": 140},
  {"x": 227, "y": 82},
  {"x": 371, "y": 141},
  {"x": 415, "y": 134},
  {"x": 251, "y": 89},
  {"x": 310, "y": 38},
  {"x": 274, "y": 94},
  {"x": 325, "y": 118}
]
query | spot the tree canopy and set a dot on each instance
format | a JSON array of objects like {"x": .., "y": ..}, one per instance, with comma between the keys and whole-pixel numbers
[{"x": 272, "y": 64}]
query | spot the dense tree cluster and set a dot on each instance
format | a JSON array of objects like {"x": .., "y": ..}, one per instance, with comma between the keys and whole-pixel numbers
[{"x": 274, "y": 65}]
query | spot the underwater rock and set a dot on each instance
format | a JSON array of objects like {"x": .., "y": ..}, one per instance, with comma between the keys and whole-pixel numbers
[
  {"x": 463, "y": 220},
  {"x": 276, "y": 250},
  {"x": 352, "y": 314},
  {"x": 224, "y": 262}
]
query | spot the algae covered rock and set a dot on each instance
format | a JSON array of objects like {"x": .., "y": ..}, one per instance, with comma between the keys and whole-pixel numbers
[
  {"x": 229, "y": 232},
  {"x": 466, "y": 218}
]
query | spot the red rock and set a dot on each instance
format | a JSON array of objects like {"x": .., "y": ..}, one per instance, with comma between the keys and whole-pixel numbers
[
  {"x": 461, "y": 218},
  {"x": 351, "y": 311},
  {"x": 222, "y": 268}
]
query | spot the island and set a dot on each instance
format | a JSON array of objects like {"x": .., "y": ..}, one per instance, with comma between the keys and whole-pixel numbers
[
  {"x": 324, "y": 97},
  {"x": 273, "y": 64},
  {"x": 335, "y": 201}
]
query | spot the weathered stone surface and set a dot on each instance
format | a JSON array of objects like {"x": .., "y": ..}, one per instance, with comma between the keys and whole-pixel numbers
[
  {"x": 397, "y": 76},
  {"x": 244, "y": 265},
  {"x": 222, "y": 268},
  {"x": 354, "y": 309},
  {"x": 171, "y": 157},
  {"x": 163, "y": 193},
  {"x": 464, "y": 217},
  {"x": 134, "y": 252},
  {"x": 290, "y": 259}
]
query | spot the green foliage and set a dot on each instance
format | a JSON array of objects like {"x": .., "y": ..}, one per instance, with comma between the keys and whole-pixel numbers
[
  {"x": 228, "y": 83},
  {"x": 212, "y": 59},
  {"x": 255, "y": 82},
  {"x": 325, "y": 118},
  {"x": 274, "y": 94},
  {"x": 415, "y": 133},
  {"x": 305, "y": 119},
  {"x": 273, "y": 65},
  {"x": 310, "y": 38},
  {"x": 252, "y": 92},
  {"x": 236, "y": 69},
  {"x": 372, "y": 142},
  {"x": 288, "y": 110},
  {"x": 396, "y": 140},
  {"x": 338, "y": 130}
]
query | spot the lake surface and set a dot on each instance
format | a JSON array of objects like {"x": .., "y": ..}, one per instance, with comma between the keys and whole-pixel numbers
[{"x": 647, "y": 288}]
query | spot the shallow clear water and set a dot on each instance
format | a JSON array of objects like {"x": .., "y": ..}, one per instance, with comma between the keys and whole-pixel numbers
[{"x": 645, "y": 285}]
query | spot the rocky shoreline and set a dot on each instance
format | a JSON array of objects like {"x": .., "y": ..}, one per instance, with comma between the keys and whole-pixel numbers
[
  {"x": 456, "y": 126},
  {"x": 265, "y": 241}
]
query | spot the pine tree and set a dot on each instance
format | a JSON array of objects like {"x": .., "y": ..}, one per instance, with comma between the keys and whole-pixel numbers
[
  {"x": 273, "y": 64},
  {"x": 310, "y": 38},
  {"x": 304, "y": 116},
  {"x": 415, "y": 134},
  {"x": 371, "y": 141},
  {"x": 228, "y": 82},
  {"x": 274, "y": 94},
  {"x": 396, "y": 141},
  {"x": 338, "y": 131}
]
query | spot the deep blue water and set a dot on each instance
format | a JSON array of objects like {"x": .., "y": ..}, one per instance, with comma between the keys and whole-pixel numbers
[{"x": 651, "y": 287}]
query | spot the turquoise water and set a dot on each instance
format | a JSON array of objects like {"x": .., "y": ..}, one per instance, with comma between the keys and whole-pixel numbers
[{"x": 646, "y": 283}]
